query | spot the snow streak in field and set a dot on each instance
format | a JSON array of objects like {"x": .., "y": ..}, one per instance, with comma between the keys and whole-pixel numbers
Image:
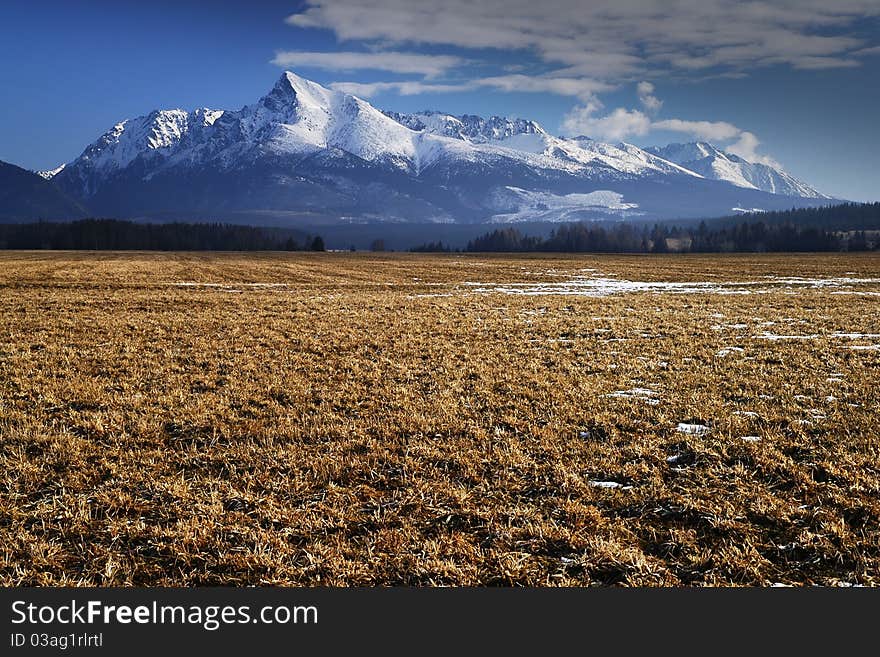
[{"x": 591, "y": 284}]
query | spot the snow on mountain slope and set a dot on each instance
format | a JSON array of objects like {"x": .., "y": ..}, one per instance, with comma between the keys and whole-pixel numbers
[
  {"x": 628, "y": 158},
  {"x": 716, "y": 164},
  {"x": 529, "y": 137},
  {"x": 158, "y": 131},
  {"x": 622, "y": 158},
  {"x": 698, "y": 158},
  {"x": 153, "y": 139},
  {"x": 51, "y": 173},
  {"x": 301, "y": 115}
]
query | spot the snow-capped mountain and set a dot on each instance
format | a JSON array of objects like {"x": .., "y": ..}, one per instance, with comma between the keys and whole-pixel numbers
[
  {"x": 716, "y": 164},
  {"x": 305, "y": 153}
]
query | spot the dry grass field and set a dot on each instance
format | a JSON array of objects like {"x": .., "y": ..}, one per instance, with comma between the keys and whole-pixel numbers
[{"x": 390, "y": 419}]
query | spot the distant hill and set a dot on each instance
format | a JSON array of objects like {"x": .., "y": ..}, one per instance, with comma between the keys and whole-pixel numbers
[{"x": 25, "y": 196}]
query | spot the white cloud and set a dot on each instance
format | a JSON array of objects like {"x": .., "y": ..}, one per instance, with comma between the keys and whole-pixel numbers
[
  {"x": 622, "y": 123},
  {"x": 614, "y": 38},
  {"x": 707, "y": 130},
  {"x": 397, "y": 62},
  {"x": 588, "y": 48},
  {"x": 583, "y": 88},
  {"x": 746, "y": 148},
  {"x": 821, "y": 63},
  {"x": 647, "y": 98},
  {"x": 616, "y": 126},
  {"x": 591, "y": 62},
  {"x": 407, "y": 88}
]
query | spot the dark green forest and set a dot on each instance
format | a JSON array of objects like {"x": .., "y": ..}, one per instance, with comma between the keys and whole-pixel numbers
[
  {"x": 112, "y": 234},
  {"x": 847, "y": 227},
  {"x": 843, "y": 216}
]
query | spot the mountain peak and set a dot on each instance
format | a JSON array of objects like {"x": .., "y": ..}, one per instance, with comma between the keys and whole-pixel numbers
[
  {"x": 291, "y": 90},
  {"x": 716, "y": 164},
  {"x": 290, "y": 81}
]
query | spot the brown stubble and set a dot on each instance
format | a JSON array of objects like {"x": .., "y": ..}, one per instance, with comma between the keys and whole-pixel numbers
[{"x": 344, "y": 429}]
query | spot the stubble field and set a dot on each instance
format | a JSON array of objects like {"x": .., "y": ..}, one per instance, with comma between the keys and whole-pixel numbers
[{"x": 390, "y": 419}]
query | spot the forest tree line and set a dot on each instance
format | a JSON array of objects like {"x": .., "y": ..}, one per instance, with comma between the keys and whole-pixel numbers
[
  {"x": 842, "y": 217},
  {"x": 112, "y": 235},
  {"x": 625, "y": 238},
  {"x": 846, "y": 227}
]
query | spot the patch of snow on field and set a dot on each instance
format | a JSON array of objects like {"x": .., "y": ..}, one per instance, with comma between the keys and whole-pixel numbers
[
  {"x": 230, "y": 285},
  {"x": 598, "y": 285},
  {"x": 822, "y": 282},
  {"x": 601, "y": 287},
  {"x": 609, "y": 484},
  {"x": 775, "y": 336},
  {"x": 751, "y": 439},
  {"x": 865, "y": 347},
  {"x": 729, "y": 350},
  {"x": 644, "y": 394},
  {"x": 692, "y": 429},
  {"x": 188, "y": 284}
]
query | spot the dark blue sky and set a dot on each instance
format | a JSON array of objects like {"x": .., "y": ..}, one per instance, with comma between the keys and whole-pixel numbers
[{"x": 791, "y": 81}]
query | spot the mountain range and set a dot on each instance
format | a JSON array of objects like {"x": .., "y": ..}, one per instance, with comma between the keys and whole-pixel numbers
[{"x": 307, "y": 155}]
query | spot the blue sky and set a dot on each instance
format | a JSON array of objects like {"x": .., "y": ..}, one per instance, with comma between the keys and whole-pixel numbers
[{"x": 795, "y": 82}]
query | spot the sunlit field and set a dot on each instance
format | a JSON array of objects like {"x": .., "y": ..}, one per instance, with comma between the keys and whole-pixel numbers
[{"x": 388, "y": 419}]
